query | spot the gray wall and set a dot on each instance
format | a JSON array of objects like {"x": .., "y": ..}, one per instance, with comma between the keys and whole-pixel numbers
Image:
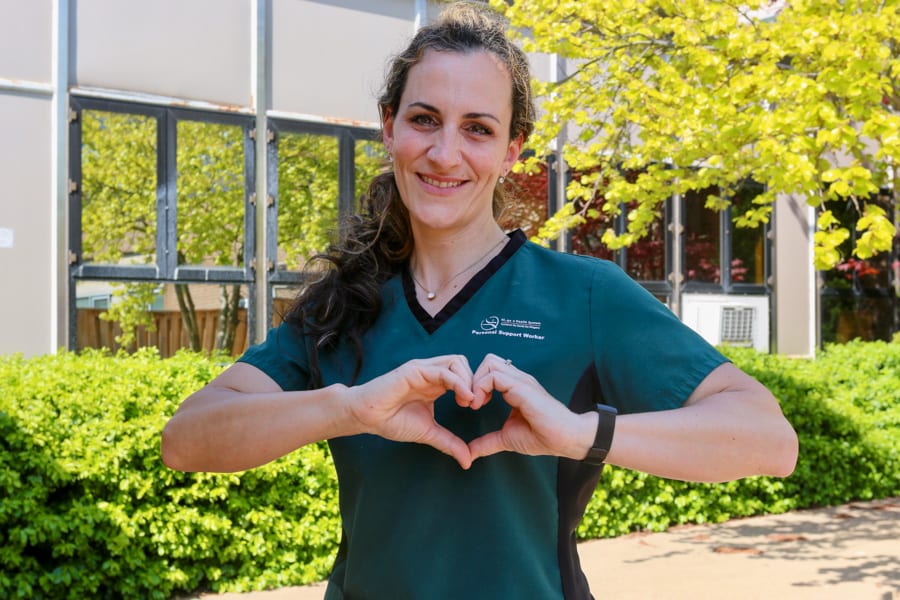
[
  {"x": 192, "y": 49},
  {"x": 26, "y": 303},
  {"x": 27, "y": 229}
]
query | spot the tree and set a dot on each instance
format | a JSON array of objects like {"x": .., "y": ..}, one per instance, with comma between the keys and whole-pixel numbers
[{"x": 801, "y": 97}]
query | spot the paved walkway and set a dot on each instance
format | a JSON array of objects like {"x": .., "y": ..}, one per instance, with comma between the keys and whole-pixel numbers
[{"x": 849, "y": 552}]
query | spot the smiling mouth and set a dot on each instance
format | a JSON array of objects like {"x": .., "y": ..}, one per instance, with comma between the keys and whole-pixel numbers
[{"x": 440, "y": 184}]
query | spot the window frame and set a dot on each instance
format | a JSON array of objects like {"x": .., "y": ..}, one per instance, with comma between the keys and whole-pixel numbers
[{"x": 164, "y": 269}]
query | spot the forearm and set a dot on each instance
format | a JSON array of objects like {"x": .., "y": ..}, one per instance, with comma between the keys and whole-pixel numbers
[
  {"x": 719, "y": 439},
  {"x": 222, "y": 430}
]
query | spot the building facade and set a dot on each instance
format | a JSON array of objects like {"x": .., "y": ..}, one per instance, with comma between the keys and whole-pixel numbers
[{"x": 192, "y": 153}]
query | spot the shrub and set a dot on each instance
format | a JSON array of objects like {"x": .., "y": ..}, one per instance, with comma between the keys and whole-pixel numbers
[
  {"x": 845, "y": 407},
  {"x": 87, "y": 510}
]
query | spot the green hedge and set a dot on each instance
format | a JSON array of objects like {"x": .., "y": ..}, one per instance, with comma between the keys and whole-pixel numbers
[
  {"x": 845, "y": 406},
  {"x": 87, "y": 510}
]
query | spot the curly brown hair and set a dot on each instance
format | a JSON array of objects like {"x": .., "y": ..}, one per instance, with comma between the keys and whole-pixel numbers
[{"x": 345, "y": 300}]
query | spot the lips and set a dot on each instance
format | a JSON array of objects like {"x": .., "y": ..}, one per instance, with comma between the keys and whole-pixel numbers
[{"x": 439, "y": 183}]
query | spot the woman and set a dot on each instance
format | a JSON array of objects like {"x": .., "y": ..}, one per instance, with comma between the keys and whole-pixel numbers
[{"x": 467, "y": 380}]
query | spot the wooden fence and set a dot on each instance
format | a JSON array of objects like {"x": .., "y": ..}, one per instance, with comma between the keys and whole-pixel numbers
[{"x": 170, "y": 334}]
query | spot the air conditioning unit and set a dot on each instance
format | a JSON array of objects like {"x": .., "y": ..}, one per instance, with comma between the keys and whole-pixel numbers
[{"x": 728, "y": 320}]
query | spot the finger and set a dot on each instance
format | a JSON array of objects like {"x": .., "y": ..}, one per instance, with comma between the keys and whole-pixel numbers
[
  {"x": 486, "y": 445},
  {"x": 490, "y": 362},
  {"x": 459, "y": 365},
  {"x": 502, "y": 381},
  {"x": 443, "y": 440},
  {"x": 483, "y": 380},
  {"x": 460, "y": 385},
  {"x": 441, "y": 376}
]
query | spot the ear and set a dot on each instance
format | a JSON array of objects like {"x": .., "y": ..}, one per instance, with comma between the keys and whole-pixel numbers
[
  {"x": 512, "y": 153},
  {"x": 387, "y": 130}
]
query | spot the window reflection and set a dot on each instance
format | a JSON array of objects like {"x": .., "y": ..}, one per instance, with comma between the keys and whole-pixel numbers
[
  {"x": 858, "y": 299},
  {"x": 747, "y": 245},
  {"x": 526, "y": 206},
  {"x": 370, "y": 158},
  {"x": 645, "y": 260},
  {"x": 210, "y": 167},
  {"x": 702, "y": 239},
  {"x": 118, "y": 211},
  {"x": 307, "y": 196}
]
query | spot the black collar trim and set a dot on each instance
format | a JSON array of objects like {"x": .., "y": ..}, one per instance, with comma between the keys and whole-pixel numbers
[{"x": 430, "y": 324}]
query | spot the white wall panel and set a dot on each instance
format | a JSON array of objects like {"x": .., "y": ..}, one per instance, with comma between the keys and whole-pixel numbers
[
  {"x": 190, "y": 49},
  {"x": 329, "y": 56},
  {"x": 793, "y": 270},
  {"x": 26, "y": 227},
  {"x": 26, "y": 33}
]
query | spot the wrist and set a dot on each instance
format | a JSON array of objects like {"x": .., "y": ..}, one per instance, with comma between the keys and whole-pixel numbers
[
  {"x": 349, "y": 398},
  {"x": 585, "y": 432}
]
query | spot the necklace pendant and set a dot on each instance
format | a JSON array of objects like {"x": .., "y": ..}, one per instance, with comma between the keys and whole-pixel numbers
[{"x": 430, "y": 295}]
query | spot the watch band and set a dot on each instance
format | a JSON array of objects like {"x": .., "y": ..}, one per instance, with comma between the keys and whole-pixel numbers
[{"x": 606, "y": 425}]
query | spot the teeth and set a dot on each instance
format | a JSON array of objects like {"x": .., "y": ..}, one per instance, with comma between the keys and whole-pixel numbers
[{"x": 441, "y": 184}]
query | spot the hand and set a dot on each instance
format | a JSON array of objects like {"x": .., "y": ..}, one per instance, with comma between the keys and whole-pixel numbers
[
  {"x": 399, "y": 405},
  {"x": 538, "y": 423}
]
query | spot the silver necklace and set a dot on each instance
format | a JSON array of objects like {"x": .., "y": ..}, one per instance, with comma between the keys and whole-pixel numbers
[{"x": 432, "y": 294}]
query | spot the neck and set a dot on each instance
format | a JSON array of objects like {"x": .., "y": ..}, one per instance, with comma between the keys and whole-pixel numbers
[{"x": 439, "y": 265}]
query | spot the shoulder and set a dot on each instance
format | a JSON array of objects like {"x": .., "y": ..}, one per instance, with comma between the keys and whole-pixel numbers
[
  {"x": 570, "y": 264},
  {"x": 282, "y": 356}
]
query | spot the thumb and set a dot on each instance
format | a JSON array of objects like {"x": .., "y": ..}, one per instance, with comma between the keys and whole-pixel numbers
[
  {"x": 443, "y": 440},
  {"x": 486, "y": 445}
]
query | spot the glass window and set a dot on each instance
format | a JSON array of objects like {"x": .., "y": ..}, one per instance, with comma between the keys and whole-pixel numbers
[
  {"x": 645, "y": 260},
  {"x": 747, "y": 245},
  {"x": 702, "y": 239},
  {"x": 858, "y": 299},
  {"x": 587, "y": 237},
  {"x": 370, "y": 158},
  {"x": 853, "y": 273},
  {"x": 168, "y": 316},
  {"x": 307, "y": 196},
  {"x": 210, "y": 168},
  {"x": 118, "y": 185},
  {"x": 846, "y": 317},
  {"x": 526, "y": 206}
]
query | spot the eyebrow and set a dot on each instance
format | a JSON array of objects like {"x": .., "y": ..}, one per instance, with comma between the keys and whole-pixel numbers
[{"x": 472, "y": 115}]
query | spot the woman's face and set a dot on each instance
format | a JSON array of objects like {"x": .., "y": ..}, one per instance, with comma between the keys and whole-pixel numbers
[{"x": 450, "y": 139}]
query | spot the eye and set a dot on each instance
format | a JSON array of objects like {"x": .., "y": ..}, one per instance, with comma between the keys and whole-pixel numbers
[
  {"x": 423, "y": 120},
  {"x": 479, "y": 129}
]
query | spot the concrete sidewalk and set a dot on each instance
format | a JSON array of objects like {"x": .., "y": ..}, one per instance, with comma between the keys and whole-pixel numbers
[{"x": 849, "y": 552}]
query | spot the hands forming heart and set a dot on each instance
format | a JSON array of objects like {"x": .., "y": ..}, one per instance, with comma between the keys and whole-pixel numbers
[{"x": 399, "y": 406}]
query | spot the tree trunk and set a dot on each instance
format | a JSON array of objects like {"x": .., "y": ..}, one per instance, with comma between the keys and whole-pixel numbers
[
  {"x": 228, "y": 321},
  {"x": 188, "y": 315}
]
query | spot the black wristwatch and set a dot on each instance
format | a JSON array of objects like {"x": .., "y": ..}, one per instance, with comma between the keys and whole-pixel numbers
[{"x": 606, "y": 425}]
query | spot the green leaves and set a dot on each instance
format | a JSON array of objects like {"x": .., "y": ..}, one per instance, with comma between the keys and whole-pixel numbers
[
  {"x": 805, "y": 102},
  {"x": 877, "y": 232},
  {"x": 87, "y": 509}
]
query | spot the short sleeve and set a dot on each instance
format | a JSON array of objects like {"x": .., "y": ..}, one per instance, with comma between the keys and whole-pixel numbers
[
  {"x": 646, "y": 358},
  {"x": 283, "y": 357}
]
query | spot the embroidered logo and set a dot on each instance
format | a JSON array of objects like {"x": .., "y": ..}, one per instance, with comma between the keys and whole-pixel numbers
[
  {"x": 516, "y": 328},
  {"x": 490, "y": 323}
]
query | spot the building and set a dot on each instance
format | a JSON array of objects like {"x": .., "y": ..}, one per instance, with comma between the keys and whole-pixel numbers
[{"x": 243, "y": 113}]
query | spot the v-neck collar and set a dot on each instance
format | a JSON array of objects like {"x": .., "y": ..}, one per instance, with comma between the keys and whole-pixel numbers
[{"x": 431, "y": 324}]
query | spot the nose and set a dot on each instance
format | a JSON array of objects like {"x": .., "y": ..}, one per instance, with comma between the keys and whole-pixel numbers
[{"x": 445, "y": 149}]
